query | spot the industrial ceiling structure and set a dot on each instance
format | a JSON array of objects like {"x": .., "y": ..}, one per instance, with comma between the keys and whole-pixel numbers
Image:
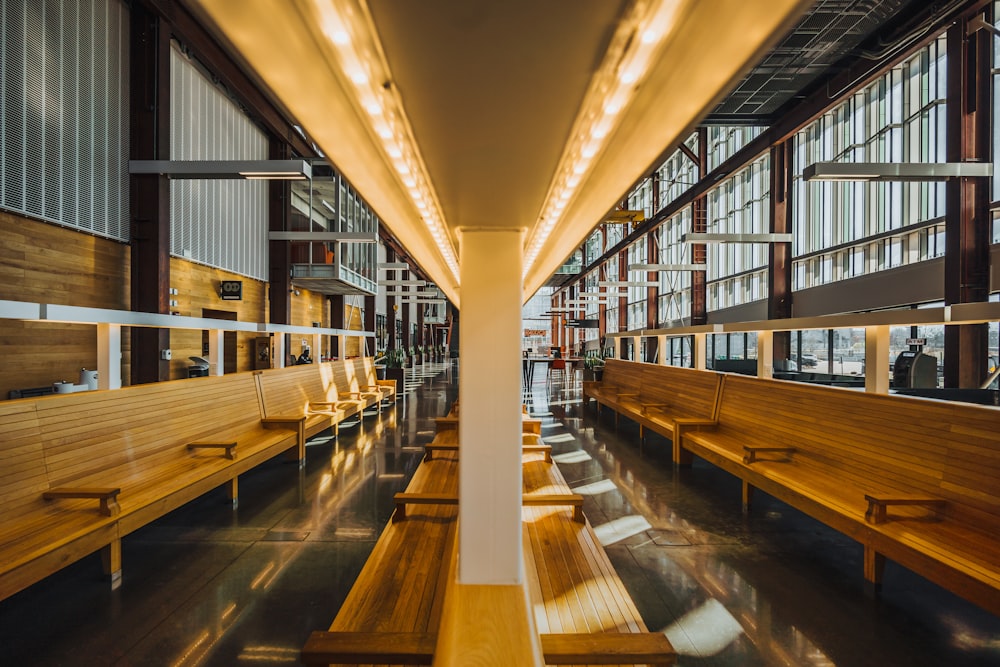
[{"x": 530, "y": 115}]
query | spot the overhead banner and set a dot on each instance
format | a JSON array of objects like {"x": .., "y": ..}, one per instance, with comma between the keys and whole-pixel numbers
[{"x": 583, "y": 324}]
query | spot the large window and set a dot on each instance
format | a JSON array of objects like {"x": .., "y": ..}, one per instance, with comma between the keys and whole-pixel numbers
[{"x": 844, "y": 229}]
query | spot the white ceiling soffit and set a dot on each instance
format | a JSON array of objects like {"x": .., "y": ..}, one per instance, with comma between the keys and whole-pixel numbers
[{"x": 491, "y": 93}]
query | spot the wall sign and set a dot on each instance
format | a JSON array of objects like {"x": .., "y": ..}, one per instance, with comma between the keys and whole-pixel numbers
[
  {"x": 583, "y": 324},
  {"x": 231, "y": 290}
]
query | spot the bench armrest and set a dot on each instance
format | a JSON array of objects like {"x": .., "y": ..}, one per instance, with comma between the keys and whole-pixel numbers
[
  {"x": 230, "y": 447},
  {"x": 647, "y": 648},
  {"x": 404, "y": 499},
  {"x": 575, "y": 500},
  {"x": 878, "y": 504},
  {"x": 750, "y": 452},
  {"x": 409, "y": 648},
  {"x": 108, "y": 496},
  {"x": 284, "y": 419}
]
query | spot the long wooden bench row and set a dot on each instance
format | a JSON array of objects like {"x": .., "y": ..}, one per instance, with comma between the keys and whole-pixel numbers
[
  {"x": 913, "y": 480},
  {"x": 78, "y": 472},
  {"x": 657, "y": 398},
  {"x": 393, "y": 613}
]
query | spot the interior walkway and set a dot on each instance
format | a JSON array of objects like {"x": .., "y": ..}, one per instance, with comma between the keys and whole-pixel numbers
[{"x": 209, "y": 586}]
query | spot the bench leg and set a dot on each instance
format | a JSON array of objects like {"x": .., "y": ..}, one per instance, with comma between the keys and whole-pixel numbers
[
  {"x": 111, "y": 563},
  {"x": 747, "y": 497},
  {"x": 874, "y": 569},
  {"x": 233, "y": 491},
  {"x": 682, "y": 457}
]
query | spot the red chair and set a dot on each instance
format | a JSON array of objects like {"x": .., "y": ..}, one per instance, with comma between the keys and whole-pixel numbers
[{"x": 557, "y": 365}]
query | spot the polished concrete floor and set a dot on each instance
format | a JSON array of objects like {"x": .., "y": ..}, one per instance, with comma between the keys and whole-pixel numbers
[{"x": 207, "y": 585}]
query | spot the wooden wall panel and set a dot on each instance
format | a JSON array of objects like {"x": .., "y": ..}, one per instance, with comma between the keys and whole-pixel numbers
[
  {"x": 46, "y": 263},
  {"x": 198, "y": 288}
]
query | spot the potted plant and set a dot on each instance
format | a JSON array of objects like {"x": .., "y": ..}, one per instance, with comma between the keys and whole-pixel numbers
[
  {"x": 593, "y": 367},
  {"x": 395, "y": 360}
]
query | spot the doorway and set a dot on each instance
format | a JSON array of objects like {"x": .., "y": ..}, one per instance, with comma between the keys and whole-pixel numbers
[{"x": 228, "y": 339}]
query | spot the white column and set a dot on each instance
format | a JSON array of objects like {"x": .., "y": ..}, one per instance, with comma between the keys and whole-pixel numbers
[
  {"x": 765, "y": 354},
  {"x": 661, "y": 350},
  {"x": 280, "y": 353},
  {"x": 489, "y": 535},
  {"x": 698, "y": 351},
  {"x": 216, "y": 365},
  {"x": 618, "y": 347},
  {"x": 877, "y": 359},
  {"x": 316, "y": 350},
  {"x": 109, "y": 356}
]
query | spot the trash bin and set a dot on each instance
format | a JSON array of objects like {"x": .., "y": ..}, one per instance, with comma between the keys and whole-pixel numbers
[{"x": 199, "y": 368}]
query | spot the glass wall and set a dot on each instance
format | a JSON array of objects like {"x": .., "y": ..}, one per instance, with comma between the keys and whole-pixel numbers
[{"x": 846, "y": 229}]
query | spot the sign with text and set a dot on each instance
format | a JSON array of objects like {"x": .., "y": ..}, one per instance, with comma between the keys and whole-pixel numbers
[
  {"x": 916, "y": 341},
  {"x": 531, "y": 333},
  {"x": 231, "y": 290},
  {"x": 583, "y": 324}
]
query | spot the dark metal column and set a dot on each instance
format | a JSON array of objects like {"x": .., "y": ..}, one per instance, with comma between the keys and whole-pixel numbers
[
  {"x": 779, "y": 255},
  {"x": 149, "y": 139},
  {"x": 699, "y": 253},
  {"x": 369, "y": 324},
  {"x": 279, "y": 252},
  {"x": 338, "y": 347},
  {"x": 967, "y": 218}
]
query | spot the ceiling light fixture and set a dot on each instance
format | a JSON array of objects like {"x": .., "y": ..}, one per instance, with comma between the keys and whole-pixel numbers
[
  {"x": 355, "y": 44},
  {"x": 611, "y": 90}
]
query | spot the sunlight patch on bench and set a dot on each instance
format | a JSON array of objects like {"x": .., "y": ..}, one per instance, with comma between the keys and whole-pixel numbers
[{"x": 562, "y": 437}]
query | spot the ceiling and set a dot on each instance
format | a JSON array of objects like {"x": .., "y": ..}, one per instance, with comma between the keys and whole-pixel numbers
[{"x": 491, "y": 95}]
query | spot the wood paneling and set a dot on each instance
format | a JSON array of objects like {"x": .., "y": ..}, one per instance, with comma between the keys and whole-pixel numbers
[
  {"x": 47, "y": 263},
  {"x": 198, "y": 288}
]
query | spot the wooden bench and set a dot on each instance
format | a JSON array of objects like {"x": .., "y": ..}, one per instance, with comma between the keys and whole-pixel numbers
[
  {"x": 310, "y": 392},
  {"x": 364, "y": 370},
  {"x": 573, "y": 500},
  {"x": 393, "y": 612},
  {"x": 81, "y": 471},
  {"x": 351, "y": 382},
  {"x": 447, "y": 441},
  {"x": 846, "y": 457},
  {"x": 656, "y": 397}
]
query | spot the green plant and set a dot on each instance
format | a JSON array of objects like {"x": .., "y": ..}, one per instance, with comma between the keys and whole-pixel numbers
[
  {"x": 395, "y": 358},
  {"x": 593, "y": 360}
]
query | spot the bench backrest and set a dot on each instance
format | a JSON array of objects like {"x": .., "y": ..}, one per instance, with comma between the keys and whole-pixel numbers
[
  {"x": 349, "y": 376},
  {"x": 687, "y": 391},
  {"x": 90, "y": 432},
  {"x": 23, "y": 475},
  {"x": 288, "y": 391},
  {"x": 883, "y": 442},
  {"x": 364, "y": 369},
  {"x": 622, "y": 373}
]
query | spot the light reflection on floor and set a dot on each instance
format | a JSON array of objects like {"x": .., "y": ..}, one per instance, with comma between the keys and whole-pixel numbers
[{"x": 772, "y": 588}]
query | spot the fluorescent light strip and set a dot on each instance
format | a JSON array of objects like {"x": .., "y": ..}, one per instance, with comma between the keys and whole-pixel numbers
[
  {"x": 633, "y": 47},
  {"x": 355, "y": 41},
  {"x": 393, "y": 266}
]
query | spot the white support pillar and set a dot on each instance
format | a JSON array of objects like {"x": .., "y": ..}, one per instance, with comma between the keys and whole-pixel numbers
[
  {"x": 109, "y": 356},
  {"x": 698, "y": 351},
  {"x": 316, "y": 349},
  {"x": 765, "y": 354},
  {"x": 877, "y": 359},
  {"x": 661, "y": 350},
  {"x": 489, "y": 534},
  {"x": 280, "y": 353},
  {"x": 618, "y": 347},
  {"x": 216, "y": 364}
]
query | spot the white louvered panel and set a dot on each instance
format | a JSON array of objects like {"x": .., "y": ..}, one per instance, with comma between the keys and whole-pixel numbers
[
  {"x": 13, "y": 109},
  {"x": 216, "y": 220},
  {"x": 64, "y": 86}
]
